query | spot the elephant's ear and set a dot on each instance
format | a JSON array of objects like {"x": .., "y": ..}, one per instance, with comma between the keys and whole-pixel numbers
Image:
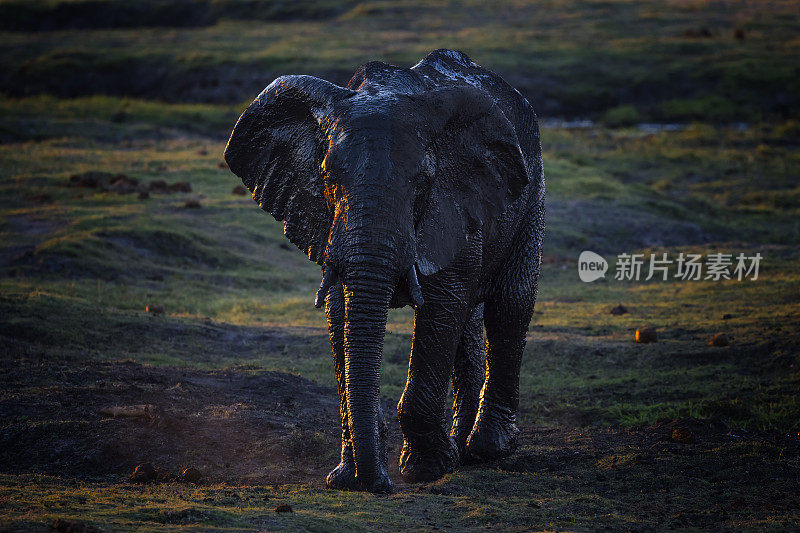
[
  {"x": 473, "y": 169},
  {"x": 276, "y": 149}
]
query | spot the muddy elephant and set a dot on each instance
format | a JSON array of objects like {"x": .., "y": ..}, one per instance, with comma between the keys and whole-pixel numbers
[{"x": 416, "y": 186}]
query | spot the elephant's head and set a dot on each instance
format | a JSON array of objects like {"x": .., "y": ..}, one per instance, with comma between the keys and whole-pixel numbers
[{"x": 375, "y": 185}]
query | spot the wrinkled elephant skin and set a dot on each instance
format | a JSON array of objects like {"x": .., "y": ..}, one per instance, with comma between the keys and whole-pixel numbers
[{"x": 416, "y": 186}]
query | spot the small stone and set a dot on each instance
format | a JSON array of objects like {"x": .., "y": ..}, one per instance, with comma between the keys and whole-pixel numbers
[
  {"x": 191, "y": 475},
  {"x": 739, "y": 34},
  {"x": 202, "y": 151},
  {"x": 162, "y": 475},
  {"x": 646, "y": 335},
  {"x": 683, "y": 436},
  {"x": 284, "y": 246},
  {"x": 121, "y": 184},
  {"x": 695, "y": 33},
  {"x": 143, "y": 473},
  {"x": 158, "y": 186},
  {"x": 181, "y": 186},
  {"x": 727, "y": 316},
  {"x": 284, "y": 508},
  {"x": 222, "y": 164},
  {"x": 90, "y": 179},
  {"x": 144, "y": 195},
  {"x": 192, "y": 204},
  {"x": 239, "y": 190},
  {"x": 155, "y": 309},
  {"x": 719, "y": 340},
  {"x": 618, "y": 310},
  {"x": 42, "y": 198}
]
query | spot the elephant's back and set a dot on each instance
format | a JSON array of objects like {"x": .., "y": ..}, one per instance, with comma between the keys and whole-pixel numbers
[
  {"x": 503, "y": 234},
  {"x": 442, "y": 68},
  {"x": 451, "y": 67}
]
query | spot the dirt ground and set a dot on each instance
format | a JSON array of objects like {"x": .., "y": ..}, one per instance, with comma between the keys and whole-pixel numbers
[{"x": 95, "y": 422}]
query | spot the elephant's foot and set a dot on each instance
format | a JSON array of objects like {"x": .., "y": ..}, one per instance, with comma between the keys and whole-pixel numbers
[
  {"x": 428, "y": 463},
  {"x": 343, "y": 477},
  {"x": 383, "y": 484},
  {"x": 494, "y": 435}
]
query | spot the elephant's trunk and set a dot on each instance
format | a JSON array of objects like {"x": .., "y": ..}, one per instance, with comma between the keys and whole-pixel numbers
[{"x": 367, "y": 291}]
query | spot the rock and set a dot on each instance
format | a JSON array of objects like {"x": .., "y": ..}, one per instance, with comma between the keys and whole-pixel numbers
[
  {"x": 192, "y": 204},
  {"x": 90, "y": 180},
  {"x": 284, "y": 508},
  {"x": 158, "y": 186},
  {"x": 118, "y": 117},
  {"x": 144, "y": 195},
  {"x": 143, "y": 473},
  {"x": 121, "y": 184},
  {"x": 162, "y": 475},
  {"x": 682, "y": 435},
  {"x": 146, "y": 473},
  {"x": 202, "y": 151},
  {"x": 155, "y": 309},
  {"x": 191, "y": 475},
  {"x": 702, "y": 32},
  {"x": 42, "y": 198},
  {"x": 181, "y": 186},
  {"x": 719, "y": 340},
  {"x": 646, "y": 335},
  {"x": 222, "y": 164},
  {"x": 285, "y": 246},
  {"x": 618, "y": 310},
  {"x": 727, "y": 316},
  {"x": 739, "y": 34},
  {"x": 239, "y": 190}
]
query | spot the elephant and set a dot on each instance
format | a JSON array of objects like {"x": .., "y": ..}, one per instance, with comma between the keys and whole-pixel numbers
[{"x": 418, "y": 186}]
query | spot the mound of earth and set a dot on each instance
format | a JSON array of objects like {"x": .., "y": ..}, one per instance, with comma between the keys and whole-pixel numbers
[{"x": 94, "y": 420}]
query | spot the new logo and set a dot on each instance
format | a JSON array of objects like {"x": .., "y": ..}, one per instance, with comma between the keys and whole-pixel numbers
[{"x": 591, "y": 266}]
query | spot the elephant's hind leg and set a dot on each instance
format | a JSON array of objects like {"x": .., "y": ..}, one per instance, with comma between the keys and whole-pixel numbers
[
  {"x": 469, "y": 372},
  {"x": 507, "y": 314}
]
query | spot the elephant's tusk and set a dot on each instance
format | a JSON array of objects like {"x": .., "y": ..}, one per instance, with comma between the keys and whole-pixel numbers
[
  {"x": 329, "y": 277},
  {"x": 413, "y": 286}
]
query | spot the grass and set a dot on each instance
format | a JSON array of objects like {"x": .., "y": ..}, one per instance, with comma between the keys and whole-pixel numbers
[
  {"x": 651, "y": 65},
  {"x": 88, "y": 262},
  {"x": 225, "y": 262},
  {"x": 78, "y": 265}
]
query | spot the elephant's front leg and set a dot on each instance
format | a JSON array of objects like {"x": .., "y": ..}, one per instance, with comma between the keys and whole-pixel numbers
[
  {"x": 429, "y": 451},
  {"x": 343, "y": 477}
]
